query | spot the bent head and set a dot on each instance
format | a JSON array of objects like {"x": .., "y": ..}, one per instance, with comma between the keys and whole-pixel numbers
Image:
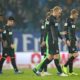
[
  {"x": 57, "y": 11},
  {"x": 10, "y": 21},
  {"x": 74, "y": 14}
]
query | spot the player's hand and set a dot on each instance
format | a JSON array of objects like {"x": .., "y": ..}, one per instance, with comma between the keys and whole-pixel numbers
[
  {"x": 43, "y": 44},
  {"x": 68, "y": 42},
  {"x": 12, "y": 46}
]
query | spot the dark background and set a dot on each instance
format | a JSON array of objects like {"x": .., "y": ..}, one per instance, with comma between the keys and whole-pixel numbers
[{"x": 30, "y": 13}]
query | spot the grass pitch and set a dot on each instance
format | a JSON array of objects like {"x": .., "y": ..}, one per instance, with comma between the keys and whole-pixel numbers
[{"x": 29, "y": 75}]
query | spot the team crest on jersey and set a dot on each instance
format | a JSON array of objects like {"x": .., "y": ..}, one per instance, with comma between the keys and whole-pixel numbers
[
  {"x": 66, "y": 24},
  {"x": 73, "y": 26},
  {"x": 42, "y": 27},
  {"x": 56, "y": 24},
  {"x": 10, "y": 33},
  {"x": 47, "y": 22}
]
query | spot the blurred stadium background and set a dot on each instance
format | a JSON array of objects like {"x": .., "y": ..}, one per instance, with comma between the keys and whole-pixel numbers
[{"x": 29, "y": 15}]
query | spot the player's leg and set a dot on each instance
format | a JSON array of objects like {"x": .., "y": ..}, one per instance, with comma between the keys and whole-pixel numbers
[
  {"x": 43, "y": 50},
  {"x": 37, "y": 67},
  {"x": 13, "y": 62},
  {"x": 74, "y": 55},
  {"x": 53, "y": 48},
  {"x": 4, "y": 55},
  {"x": 45, "y": 68},
  {"x": 72, "y": 51},
  {"x": 58, "y": 66},
  {"x": 46, "y": 61},
  {"x": 71, "y": 72},
  {"x": 56, "y": 59},
  {"x": 46, "y": 53},
  {"x": 65, "y": 70},
  {"x": 49, "y": 59}
]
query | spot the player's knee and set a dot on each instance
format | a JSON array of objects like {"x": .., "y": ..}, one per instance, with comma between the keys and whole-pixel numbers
[
  {"x": 50, "y": 57},
  {"x": 56, "y": 56}
]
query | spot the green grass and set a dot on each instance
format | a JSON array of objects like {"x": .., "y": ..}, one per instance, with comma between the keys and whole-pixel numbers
[{"x": 29, "y": 75}]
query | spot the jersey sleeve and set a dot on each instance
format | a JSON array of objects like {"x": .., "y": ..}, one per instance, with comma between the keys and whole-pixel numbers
[
  {"x": 45, "y": 33},
  {"x": 44, "y": 30},
  {"x": 42, "y": 33}
]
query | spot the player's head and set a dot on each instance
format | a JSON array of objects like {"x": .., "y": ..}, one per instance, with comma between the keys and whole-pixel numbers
[
  {"x": 10, "y": 21},
  {"x": 74, "y": 14},
  {"x": 57, "y": 11}
]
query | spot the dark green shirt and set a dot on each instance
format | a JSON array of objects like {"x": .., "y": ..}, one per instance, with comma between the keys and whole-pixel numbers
[
  {"x": 7, "y": 35},
  {"x": 52, "y": 30},
  {"x": 70, "y": 29}
]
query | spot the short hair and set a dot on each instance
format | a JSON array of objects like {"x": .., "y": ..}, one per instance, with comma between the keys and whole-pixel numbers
[
  {"x": 11, "y": 18},
  {"x": 74, "y": 11},
  {"x": 56, "y": 8}
]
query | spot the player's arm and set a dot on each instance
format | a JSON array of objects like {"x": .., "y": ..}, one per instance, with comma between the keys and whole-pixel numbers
[
  {"x": 46, "y": 30},
  {"x": 43, "y": 36},
  {"x": 11, "y": 40},
  {"x": 66, "y": 33},
  {"x": 66, "y": 30}
]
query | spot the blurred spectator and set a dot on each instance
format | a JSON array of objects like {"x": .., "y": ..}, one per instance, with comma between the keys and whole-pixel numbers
[{"x": 32, "y": 11}]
